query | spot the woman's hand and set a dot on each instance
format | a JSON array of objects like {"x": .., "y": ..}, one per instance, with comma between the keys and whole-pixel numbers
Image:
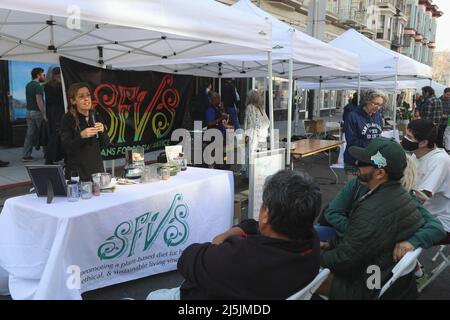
[
  {"x": 88, "y": 132},
  {"x": 99, "y": 126}
]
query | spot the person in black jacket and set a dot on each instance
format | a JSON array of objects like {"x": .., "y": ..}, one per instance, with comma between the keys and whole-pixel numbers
[
  {"x": 270, "y": 259},
  {"x": 54, "y": 109},
  {"x": 82, "y": 134}
]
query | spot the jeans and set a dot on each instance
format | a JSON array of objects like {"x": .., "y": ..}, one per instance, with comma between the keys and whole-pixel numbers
[
  {"x": 231, "y": 110},
  {"x": 34, "y": 120},
  {"x": 447, "y": 138}
]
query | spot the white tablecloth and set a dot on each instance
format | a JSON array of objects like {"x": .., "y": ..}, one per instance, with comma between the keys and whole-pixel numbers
[{"x": 137, "y": 231}]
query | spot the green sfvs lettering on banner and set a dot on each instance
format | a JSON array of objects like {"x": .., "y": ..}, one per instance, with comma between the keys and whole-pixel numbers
[{"x": 145, "y": 229}]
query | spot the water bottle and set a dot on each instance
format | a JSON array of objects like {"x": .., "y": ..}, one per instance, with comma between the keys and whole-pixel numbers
[
  {"x": 75, "y": 179},
  {"x": 183, "y": 162}
]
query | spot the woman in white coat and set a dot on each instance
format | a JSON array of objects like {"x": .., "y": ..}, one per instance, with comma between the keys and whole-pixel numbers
[{"x": 256, "y": 125}]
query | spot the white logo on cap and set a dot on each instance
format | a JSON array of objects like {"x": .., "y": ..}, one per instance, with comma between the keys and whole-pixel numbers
[{"x": 379, "y": 160}]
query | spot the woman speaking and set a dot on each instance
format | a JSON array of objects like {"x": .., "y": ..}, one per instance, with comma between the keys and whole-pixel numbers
[{"x": 82, "y": 135}]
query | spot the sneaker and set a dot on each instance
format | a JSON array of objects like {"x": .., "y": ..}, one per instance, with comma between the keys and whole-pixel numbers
[
  {"x": 420, "y": 281},
  {"x": 4, "y": 163},
  {"x": 27, "y": 159}
]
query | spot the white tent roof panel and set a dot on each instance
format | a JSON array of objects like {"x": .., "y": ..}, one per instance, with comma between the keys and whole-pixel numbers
[
  {"x": 311, "y": 56},
  {"x": 143, "y": 30}
]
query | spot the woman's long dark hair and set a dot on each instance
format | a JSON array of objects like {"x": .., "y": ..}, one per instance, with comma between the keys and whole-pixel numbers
[{"x": 71, "y": 94}]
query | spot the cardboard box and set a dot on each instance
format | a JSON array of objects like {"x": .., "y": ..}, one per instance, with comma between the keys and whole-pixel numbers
[{"x": 314, "y": 126}]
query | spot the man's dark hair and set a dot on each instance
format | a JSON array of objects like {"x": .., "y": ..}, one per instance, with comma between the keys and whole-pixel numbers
[
  {"x": 424, "y": 130},
  {"x": 293, "y": 200},
  {"x": 35, "y": 72},
  {"x": 429, "y": 90},
  {"x": 446, "y": 90}
]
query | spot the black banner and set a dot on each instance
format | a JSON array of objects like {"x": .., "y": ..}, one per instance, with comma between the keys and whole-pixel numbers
[{"x": 138, "y": 107}]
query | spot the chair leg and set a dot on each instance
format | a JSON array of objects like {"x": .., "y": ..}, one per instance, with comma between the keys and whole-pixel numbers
[
  {"x": 335, "y": 174},
  {"x": 439, "y": 253},
  {"x": 436, "y": 272}
]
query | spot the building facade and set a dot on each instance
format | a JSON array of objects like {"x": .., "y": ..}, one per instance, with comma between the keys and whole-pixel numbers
[{"x": 405, "y": 26}]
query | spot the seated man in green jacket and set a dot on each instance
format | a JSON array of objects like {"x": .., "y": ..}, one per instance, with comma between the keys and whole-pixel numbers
[
  {"x": 336, "y": 215},
  {"x": 381, "y": 218}
]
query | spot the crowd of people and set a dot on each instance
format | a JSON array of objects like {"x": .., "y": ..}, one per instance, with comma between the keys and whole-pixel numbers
[{"x": 397, "y": 197}]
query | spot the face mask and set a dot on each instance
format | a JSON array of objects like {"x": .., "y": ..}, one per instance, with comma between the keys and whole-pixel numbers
[
  {"x": 365, "y": 177},
  {"x": 409, "y": 145}
]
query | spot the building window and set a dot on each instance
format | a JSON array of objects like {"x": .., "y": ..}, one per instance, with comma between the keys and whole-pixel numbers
[
  {"x": 380, "y": 27},
  {"x": 389, "y": 29}
]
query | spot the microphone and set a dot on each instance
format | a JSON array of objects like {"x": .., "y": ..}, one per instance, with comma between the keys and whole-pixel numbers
[{"x": 93, "y": 121}]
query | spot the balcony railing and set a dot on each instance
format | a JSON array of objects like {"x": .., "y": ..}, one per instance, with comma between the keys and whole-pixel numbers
[
  {"x": 352, "y": 16},
  {"x": 398, "y": 4}
]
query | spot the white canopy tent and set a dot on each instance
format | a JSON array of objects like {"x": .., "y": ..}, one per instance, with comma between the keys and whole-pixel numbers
[
  {"x": 311, "y": 57},
  {"x": 119, "y": 33},
  {"x": 294, "y": 54},
  {"x": 385, "y": 85},
  {"x": 377, "y": 64}
]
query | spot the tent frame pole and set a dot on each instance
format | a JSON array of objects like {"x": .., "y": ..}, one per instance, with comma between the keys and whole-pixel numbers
[
  {"x": 289, "y": 116},
  {"x": 394, "y": 97},
  {"x": 270, "y": 74}
]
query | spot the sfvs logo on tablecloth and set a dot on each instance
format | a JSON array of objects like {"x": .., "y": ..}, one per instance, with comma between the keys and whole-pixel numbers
[{"x": 145, "y": 229}]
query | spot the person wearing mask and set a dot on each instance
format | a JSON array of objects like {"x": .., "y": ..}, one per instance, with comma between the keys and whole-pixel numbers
[
  {"x": 82, "y": 134},
  {"x": 272, "y": 258},
  {"x": 363, "y": 124},
  {"x": 54, "y": 109},
  {"x": 383, "y": 217},
  {"x": 35, "y": 111},
  {"x": 434, "y": 168},
  {"x": 444, "y": 126},
  {"x": 334, "y": 220},
  {"x": 431, "y": 107}
]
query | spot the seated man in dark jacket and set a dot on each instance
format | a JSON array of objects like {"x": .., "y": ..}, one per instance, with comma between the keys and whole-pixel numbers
[
  {"x": 384, "y": 216},
  {"x": 270, "y": 259}
]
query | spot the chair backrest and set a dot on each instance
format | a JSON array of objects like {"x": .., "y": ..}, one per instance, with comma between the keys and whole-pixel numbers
[
  {"x": 340, "y": 162},
  {"x": 307, "y": 292},
  {"x": 405, "y": 266}
]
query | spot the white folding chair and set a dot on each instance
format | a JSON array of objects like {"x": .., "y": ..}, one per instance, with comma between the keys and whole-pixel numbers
[
  {"x": 307, "y": 292},
  {"x": 340, "y": 163},
  {"x": 438, "y": 270},
  {"x": 332, "y": 126},
  {"x": 405, "y": 266}
]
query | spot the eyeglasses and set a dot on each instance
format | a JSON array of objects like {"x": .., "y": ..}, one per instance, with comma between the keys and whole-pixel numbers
[{"x": 375, "y": 104}]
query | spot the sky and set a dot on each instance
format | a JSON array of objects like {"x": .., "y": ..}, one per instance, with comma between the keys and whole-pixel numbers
[{"x": 443, "y": 26}]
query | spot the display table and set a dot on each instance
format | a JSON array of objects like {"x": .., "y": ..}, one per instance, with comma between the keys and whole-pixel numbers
[
  {"x": 60, "y": 250},
  {"x": 308, "y": 147}
]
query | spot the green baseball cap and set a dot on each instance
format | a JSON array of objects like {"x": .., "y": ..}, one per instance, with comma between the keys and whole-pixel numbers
[{"x": 382, "y": 153}]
